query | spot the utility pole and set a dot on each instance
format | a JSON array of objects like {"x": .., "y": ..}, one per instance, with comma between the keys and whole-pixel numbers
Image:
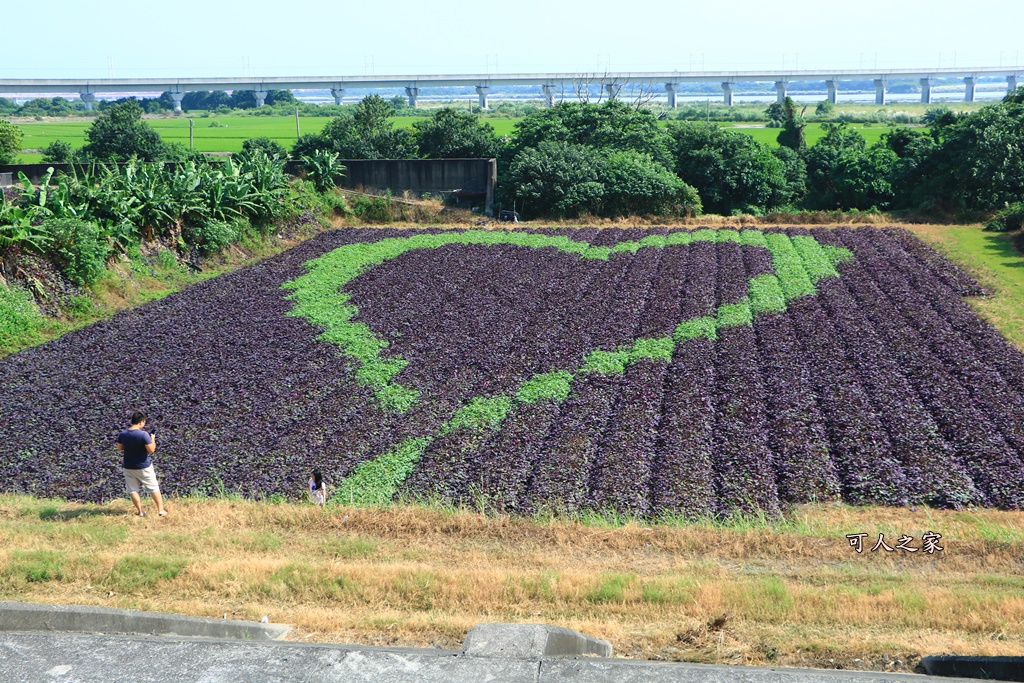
[
  {"x": 191, "y": 137},
  {"x": 297, "y": 132}
]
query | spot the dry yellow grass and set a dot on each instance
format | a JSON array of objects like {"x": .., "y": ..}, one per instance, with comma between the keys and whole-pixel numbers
[{"x": 794, "y": 591}]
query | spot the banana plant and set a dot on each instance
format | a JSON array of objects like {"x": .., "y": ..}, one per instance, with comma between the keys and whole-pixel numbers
[{"x": 323, "y": 168}]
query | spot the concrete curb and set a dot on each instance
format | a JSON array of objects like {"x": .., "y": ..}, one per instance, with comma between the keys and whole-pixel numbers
[
  {"x": 531, "y": 641},
  {"x": 25, "y": 617}
]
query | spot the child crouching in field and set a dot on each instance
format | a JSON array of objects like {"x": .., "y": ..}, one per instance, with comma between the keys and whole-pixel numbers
[{"x": 317, "y": 488}]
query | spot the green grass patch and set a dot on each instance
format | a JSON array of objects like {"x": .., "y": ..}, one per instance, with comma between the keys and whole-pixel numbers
[
  {"x": 706, "y": 327},
  {"x": 304, "y": 580},
  {"x": 33, "y": 566},
  {"x": 610, "y": 588},
  {"x": 136, "y": 572},
  {"x": 871, "y": 132},
  {"x": 992, "y": 259},
  {"x": 21, "y": 323},
  {"x": 479, "y": 414},
  {"x": 675, "y": 591},
  {"x": 539, "y": 586},
  {"x": 349, "y": 548},
  {"x": 375, "y": 481},
  {"x": 652, "y": 349},
  {"x": 548, "y": 386},
  {"x": 417, "y": 589},
  {"x": 259, "y": 541},
  {"x": 606, "y": 362},
  {"x": 765, "y": 598}
]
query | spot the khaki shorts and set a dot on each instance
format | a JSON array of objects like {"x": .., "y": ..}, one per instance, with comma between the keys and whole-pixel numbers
[{"x": 139, "y": 481}]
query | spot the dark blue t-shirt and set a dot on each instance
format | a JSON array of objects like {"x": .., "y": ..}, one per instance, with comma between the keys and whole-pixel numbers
[{"x": 135, "y": 455}]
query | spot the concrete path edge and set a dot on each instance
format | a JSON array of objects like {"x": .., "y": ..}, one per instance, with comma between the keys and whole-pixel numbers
[{"x": 26, "y": 617}]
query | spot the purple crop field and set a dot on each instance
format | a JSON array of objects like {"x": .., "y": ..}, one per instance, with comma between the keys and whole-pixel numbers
[{"x": 641, "y": 372}]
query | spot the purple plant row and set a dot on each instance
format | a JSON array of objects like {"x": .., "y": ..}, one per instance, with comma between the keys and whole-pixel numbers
[{"x": 884, "y": 387}]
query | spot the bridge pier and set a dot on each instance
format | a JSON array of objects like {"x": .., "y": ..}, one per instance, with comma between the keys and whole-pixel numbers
[
  {"x": 88, "y": 98},
  {"x": 780, "y": 90},
  {"x": 482, "y": 91},
  {"x": 969, "y": 84},
  {"x": 833, "y": 91},
  {"x": 672, "y": 89},
  {"x": 549, "y": 94},
  {"x": 261, "y": 97},
  {"x": 412, "y": 94},
  {"x": 926, "y": 90},
  {"x": 879, "y": 91},
  {"x": 612, "y": 89},
  {"x": 1011, "y": 83},
  {"x": 727, "y": 94},
  {"x": 177, "y": 97},
  {"x": 337, "y": 93}
]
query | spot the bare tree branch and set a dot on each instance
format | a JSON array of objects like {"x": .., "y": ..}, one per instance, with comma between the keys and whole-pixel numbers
[{"x": 642, "y": 93}]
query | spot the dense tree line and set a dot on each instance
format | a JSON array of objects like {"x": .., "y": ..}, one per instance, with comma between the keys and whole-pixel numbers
[
  {"x": 611, "y": 159},
  {"x": 614, "y": 159}
]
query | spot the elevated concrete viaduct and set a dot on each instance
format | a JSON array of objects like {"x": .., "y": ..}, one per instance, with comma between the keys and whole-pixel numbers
[{"x": 550, "y": 83}]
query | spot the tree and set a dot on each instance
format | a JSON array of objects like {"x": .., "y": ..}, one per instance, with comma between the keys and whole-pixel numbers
[
  {"x": 453, "y": 134},
  {"x": 57, "y": 152},
  {"x": 909, "y": 179},
  {"x": 204, "y": 101},
  {"x": 279, "y": 97},
  {"x": 367, "y": 134},
  {"x": 792, "y": 134},
  {"x": 731, "y": 171},
  {"x": 372, "y": 115},
  {"x": 242, "y": 99},
  {"x": 1015, "y": 97},
  {"x": 556, "y": 178},
  {"x": 862, "y": 179},
  {"x": 121, "y": 134},
  {"x": 636, "y": 185},
  {"x": 308, "y": 144},
  {"x": 775, "y": 113},
  {"x": 272, "y": 148},
  {"x": 612, "y": 125},
  {"x": 979, "y": 160},
  {"x": 824, "y": 109},
  {"x": 844, "y": 174},
  {"x": 10, "y": 142}
]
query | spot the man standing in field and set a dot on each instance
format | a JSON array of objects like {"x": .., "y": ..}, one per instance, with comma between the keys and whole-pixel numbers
[{"x": 139, "y": 476}]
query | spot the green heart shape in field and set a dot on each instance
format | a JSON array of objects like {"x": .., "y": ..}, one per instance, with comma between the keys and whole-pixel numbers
[{"x": 799, "y": 263}]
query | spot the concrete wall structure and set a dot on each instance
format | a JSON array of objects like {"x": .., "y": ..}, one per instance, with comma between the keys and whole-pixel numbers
[
  {"x": 472, "y": 178},
  {"x": 549, "y": 82}
]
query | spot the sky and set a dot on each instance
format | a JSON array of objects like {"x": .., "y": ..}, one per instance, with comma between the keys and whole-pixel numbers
[{"x": 193, "y": 38}]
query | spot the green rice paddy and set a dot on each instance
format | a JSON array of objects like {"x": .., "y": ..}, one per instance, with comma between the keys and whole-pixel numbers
[{"x": 226, "y": 133}]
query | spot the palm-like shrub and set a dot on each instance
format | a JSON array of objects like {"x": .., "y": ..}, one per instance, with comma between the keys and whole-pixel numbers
[{"x": 322, "y": 167}]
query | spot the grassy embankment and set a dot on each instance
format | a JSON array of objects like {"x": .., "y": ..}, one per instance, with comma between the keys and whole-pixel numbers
[
  {"x": 791, "y": 593},
  {"x": 794, "y": 592},
  {"x": 127, "y": 283}
]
